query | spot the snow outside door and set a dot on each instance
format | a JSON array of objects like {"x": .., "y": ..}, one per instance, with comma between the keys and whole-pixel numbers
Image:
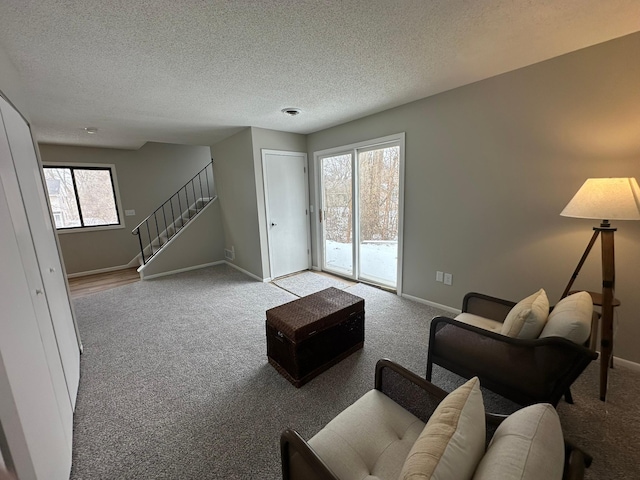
[{"x": 287, "y": 202}]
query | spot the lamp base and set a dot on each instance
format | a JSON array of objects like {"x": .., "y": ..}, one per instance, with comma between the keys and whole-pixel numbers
[{"x": 605, "y": 300}]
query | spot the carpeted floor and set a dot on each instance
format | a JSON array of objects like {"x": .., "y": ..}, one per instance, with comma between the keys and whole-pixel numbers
[{"x": 175, "y": 382}]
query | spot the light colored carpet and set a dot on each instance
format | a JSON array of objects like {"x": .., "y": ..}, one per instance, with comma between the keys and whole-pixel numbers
[
  {"x": 175, "y": 382},
  {"x": 305, "y": 283}
]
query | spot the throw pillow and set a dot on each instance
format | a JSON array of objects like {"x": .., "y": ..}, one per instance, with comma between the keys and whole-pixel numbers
[
  {"x": 571, "y": 318},
  {"x": 453, "y": 440},
  {"x": 527, "y": 318},
  {"x": 528, "y": 445}
]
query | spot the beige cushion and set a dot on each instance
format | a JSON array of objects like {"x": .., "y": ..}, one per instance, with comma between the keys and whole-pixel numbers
[
  {"x": 453, "y": 441},
  {"x": 528, "y": 445},
  {"x": 370, "y": 439},
  {"x": 571, "y": 318},
  {"x": 528, "y": 317},
  {"x": 481, "y": 322}
]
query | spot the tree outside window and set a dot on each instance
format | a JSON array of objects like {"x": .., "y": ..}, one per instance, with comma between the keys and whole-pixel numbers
[{"x": 379, "y": 185}]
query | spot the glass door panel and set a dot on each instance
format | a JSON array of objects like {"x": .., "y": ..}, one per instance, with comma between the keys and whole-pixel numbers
[
  {"x": 337, "y": 214},
  {"x": 378, "y": 206}
]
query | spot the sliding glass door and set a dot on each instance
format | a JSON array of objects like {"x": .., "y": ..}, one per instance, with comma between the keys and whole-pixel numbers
[
  {"x": 337, "y": 214},
  {"x": 378, "y": 195},
  {"x": 361, "y": 212}
]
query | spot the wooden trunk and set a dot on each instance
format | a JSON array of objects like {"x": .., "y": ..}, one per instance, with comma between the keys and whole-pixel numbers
[{"x": 307, "y": 336}]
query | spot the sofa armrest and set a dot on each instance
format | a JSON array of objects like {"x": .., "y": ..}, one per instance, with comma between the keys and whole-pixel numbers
[
  {"x": 294, "y": 448},
  {"x": 410, "y": 391},
  {"x": 486, "y": 306},
  {"x": 524, "y": 371}
]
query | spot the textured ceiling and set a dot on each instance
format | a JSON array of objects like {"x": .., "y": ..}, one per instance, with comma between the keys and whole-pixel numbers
[{"x": 187, "y": 71}]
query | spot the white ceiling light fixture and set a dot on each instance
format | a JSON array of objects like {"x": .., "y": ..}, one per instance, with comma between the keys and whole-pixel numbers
[
  {"x": 91, "y": 130},
  {"x": 292, "y": 112}
]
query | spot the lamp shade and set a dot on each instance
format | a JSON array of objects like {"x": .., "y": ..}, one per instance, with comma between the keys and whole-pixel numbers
[{"x": 606, "y": 199}]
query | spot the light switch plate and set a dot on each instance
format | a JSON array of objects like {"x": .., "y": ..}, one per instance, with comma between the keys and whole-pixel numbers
[
  {"x": 448, "y": 279},
  {"x": 439, "y": 276}
]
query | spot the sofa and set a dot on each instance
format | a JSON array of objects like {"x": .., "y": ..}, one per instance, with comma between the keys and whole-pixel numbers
[
  {"x": 407, "y": 428},
  {"x": 525, "y": 351}
]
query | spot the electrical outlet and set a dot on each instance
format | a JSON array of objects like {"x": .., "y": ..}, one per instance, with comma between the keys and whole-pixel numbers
[
  {"x": 448, "y": 279},
  {"x": 439, "y": 276},
  {"x": 129, "y": 213}
]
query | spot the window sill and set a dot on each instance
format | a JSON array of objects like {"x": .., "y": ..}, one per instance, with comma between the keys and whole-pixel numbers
[{"x": 65, "y": 231}]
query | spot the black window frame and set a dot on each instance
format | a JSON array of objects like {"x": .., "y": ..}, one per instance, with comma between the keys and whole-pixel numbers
[{"x": 72, "y": 168}]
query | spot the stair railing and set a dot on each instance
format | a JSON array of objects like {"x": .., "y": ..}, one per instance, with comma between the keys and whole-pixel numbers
[{"x": 172, "y": 216}]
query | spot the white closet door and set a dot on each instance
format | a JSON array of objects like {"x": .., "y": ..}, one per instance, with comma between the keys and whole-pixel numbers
[
  {"x": 34, "y": 280},
  {"x": 29, "y": 410},
  {"x": 29, "y": 177}
]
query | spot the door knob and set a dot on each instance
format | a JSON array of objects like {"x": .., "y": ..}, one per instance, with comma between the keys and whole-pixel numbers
[{"x": 273, "y": 224}]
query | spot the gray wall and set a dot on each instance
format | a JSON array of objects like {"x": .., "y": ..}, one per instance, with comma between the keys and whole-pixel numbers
[
  {"x": 146, "y": 178},
  {"x": 490, "y": 166},
  {"x": 201, "y": 243},
  {"x": 10, "y": 84},
  {"x": 234, "y": 172},
  {"x": 270, "y": 140},
  {"x": 237, "y": 168}
]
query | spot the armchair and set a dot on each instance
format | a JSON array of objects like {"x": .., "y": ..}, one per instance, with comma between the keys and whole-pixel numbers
[
  {"x": 526, "y": 371},
  {"x": 402, "y": 403}
]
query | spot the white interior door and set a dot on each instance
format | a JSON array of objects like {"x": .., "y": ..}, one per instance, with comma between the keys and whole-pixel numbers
[
  {"x": 35, "y": 405},
  {"x": 29, "y": 176},
  {"x": 287, "y": 202},
  {"x": 33, "y": 277}
]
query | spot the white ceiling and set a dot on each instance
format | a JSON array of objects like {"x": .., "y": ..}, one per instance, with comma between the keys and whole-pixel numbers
[{"x": 194, "y": 72}]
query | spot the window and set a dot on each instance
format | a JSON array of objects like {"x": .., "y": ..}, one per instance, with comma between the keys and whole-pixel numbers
[{"x": 82, "y": 196}]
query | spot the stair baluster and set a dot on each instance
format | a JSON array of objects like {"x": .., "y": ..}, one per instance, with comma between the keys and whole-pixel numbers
[{"x": 151, "y": 246}]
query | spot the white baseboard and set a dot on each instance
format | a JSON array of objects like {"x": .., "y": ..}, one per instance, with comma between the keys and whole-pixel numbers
[
  {"x": 255, "y": 277},
  {"x": 317, "y": 269},
  {"x": 100, "y": 270},
  {"x": 617, "y": 361},
  {"x": 180, "y": 270},
  {"x": 432, "y": 304},
  {"x": 135, "y": 262}
]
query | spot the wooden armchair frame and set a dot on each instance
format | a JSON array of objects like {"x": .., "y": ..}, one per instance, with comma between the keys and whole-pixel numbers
[
  {"x": 421, "y": 398},
  {"x": 524, "y": 371}
]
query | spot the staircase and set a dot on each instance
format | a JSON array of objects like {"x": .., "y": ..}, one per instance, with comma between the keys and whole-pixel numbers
[{"x": 157, "y": 230}]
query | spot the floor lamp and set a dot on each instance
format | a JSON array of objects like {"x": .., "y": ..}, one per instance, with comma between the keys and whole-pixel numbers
[{"x": 604, "y": 199}]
